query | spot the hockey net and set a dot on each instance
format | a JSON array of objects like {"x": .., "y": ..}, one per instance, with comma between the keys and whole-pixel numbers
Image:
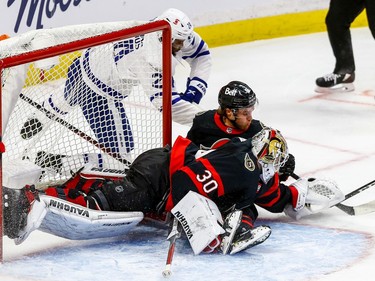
[{"x": 91, "y": 94}]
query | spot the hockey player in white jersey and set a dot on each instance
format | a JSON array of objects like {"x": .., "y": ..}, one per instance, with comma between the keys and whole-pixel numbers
[{"x": 91, "y": 83}]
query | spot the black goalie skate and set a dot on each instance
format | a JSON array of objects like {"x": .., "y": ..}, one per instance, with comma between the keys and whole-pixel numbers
[
  {"x": 237, "y": 239},
  {"x": 16, "y": 204}
]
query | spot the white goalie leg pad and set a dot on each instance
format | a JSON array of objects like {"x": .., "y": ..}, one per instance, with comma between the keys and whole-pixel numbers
[
  {"x": 34, "y": 219},
  {"x": 200, "y": 218},
  {"x": 321, "y": 195},
  {"x": 18, "y": 173},
  {"x": 72, "y": 221}
]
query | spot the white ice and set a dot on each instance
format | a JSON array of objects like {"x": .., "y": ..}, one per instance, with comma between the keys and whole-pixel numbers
[{"x": 330, "y": 135}]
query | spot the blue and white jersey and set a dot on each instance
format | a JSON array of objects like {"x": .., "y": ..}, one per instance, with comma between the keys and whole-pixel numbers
[
  {"x": 196, "y": 53},
  {"x": 106, "y": 67}
]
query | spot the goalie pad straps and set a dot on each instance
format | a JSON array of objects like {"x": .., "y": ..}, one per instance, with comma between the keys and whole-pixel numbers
[
  {"x": 82, "y": 190},
  {"x": 199, "y": 217}
]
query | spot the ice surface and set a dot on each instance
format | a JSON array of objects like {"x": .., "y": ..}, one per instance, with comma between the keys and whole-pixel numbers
[{"x": 330, "y": 135}]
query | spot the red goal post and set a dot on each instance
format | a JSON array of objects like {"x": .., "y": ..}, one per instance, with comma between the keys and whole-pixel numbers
[{"x": 138, "y": 120}]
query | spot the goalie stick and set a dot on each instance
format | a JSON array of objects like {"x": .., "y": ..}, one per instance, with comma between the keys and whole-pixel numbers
[
  {"x": 75, "y": 130},
  {"x": 172, "y": 237},
  {"x": 359, "y": 209},
  {"x": 354, "y": 210}
]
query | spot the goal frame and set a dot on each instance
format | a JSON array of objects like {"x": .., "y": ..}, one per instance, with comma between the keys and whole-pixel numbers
[{"x": 160, "y": 25}]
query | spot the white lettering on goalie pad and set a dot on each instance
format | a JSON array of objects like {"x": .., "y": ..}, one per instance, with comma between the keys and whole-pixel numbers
[
  {"x": 18, "y": 173},
  {"x": 91, "y": 171},
  {"x": 72, "y": 221},
  {"x": 199, "y": 217}
]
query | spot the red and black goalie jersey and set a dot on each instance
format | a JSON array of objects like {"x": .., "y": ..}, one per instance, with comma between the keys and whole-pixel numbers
[{"x": 229, "y": 175}]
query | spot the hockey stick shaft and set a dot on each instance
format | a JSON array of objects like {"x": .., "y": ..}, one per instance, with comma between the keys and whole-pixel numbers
[
  {"x": 359, "y": 190},
  {"x": 75, "y": 130},
  {"x": 173, "y": 236},
  {"x": 354, "y": 210}
]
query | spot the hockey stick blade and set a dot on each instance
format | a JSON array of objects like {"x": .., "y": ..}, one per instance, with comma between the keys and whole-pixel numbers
[{"x": 362, "y": 209}]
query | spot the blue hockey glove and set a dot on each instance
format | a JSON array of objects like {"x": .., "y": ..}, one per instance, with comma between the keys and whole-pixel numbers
[{"x": 195, "y": 90}]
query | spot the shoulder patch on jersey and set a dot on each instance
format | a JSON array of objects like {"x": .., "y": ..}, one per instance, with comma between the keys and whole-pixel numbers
[{"x": 248, "y": 162}]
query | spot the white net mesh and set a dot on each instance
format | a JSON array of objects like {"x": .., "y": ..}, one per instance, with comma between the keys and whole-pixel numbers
[{"x": 99, "y": 105}]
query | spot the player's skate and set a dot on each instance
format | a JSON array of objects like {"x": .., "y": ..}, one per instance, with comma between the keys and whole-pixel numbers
[
  {"x": 17, "y": 203},
  {"x": 234, "y": 241},
  {"x": 231, "y": 224},
  {"x": 250, "y": 238},
  {"x": 335, "y": 83}
]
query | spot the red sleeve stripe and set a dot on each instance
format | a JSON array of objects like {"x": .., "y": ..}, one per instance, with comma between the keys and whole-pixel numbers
[
  {"x": 177, "y": 161},
  {"x": 273, "y": 188},
  {"x": 178, "y": 154},
  {"x": 273, "y": 201},
  {"x": 215, "y": 174},
  {"x": 294, "y": 193}
]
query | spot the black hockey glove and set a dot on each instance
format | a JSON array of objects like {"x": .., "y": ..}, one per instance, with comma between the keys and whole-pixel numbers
[{"x": 288, "y": 168}]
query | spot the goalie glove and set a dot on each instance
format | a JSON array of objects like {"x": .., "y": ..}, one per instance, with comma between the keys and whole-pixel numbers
[
  {"x": 312, "y": 196},
  {"x": 195, "y": 90}
]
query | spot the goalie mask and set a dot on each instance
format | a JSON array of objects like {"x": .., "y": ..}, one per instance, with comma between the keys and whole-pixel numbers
[
  {"x": 271, "y": 149},
  {"x": 179, "y": 22}
]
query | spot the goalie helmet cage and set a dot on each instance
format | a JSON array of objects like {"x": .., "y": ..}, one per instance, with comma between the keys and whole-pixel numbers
[{"x": 61, "y": 142}]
